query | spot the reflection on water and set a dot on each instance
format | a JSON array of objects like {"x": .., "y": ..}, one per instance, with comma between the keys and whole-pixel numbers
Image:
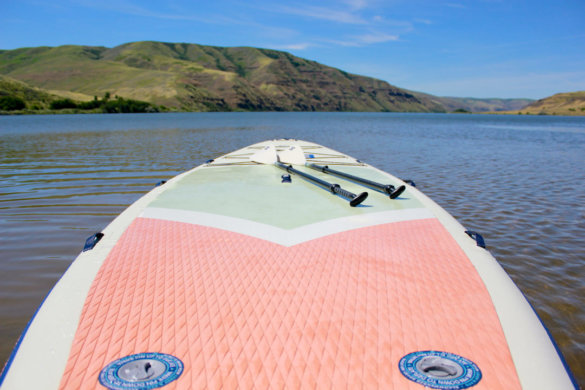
[{"x": 517, "y": 180}]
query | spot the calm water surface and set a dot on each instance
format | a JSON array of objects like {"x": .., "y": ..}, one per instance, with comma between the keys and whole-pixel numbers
[{"x": 518, "y": 180}]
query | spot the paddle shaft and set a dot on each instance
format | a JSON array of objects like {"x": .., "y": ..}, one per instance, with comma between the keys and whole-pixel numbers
[
  {"x": 354, "y": 199},
  {"x": 387, "y": 188}
]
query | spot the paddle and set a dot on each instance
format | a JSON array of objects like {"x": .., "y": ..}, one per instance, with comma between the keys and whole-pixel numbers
[
  {"x": 268, "y": 155},
  {"x": 294, "y": 155},
  {"x": 392, "y": 191},
  {"x": 354, "y": 199}
]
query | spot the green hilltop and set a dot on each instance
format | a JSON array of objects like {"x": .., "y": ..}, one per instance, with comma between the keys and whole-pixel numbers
[
  {"x": 569, "y": 103},
  {"x": 191, "y": 77}
]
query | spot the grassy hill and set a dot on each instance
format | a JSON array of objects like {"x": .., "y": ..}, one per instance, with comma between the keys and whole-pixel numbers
[
  {"x": 17, "y": 97},
  {"x": 23, "y": 96},
  {"x": 192, "y": 77},
  {"x": 570, "y": 103}
]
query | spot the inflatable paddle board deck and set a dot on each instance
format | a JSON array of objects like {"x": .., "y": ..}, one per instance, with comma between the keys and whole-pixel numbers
[{"x": 246, "y": 272}]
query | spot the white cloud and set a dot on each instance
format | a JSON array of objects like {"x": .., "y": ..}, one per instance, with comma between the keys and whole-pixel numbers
[
  {"x": 362, "y": 40},
  {"x": 129, "y": 8},
  {"x": 324, "y": 13},
  {"x": 293, "y": 46},
  {"x": 423, "y": 21},
  {"x": 362, "y": 24},
  {"x": 375, "y": 38},
  {"x": 357, "y": 4}
]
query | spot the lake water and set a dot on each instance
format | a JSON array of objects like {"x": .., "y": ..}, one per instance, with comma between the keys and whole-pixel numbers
[{"x": 518, "y": 180}]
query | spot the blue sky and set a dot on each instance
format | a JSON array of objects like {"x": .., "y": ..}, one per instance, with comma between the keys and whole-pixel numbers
[{"x": 466, "y": 48}]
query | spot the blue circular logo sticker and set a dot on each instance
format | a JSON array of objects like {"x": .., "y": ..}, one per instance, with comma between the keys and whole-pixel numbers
[
  {"x": 440, "y": 370},
  {"x": 149, "y": 370}
]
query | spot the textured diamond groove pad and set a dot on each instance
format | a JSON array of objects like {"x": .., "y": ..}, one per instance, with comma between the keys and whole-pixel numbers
[{"x": 335, "y": 312}]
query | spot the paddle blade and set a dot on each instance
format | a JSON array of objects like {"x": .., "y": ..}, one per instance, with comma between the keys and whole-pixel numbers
[
  {"x": 265, "y": 156},
  {"x": 293, "y": 155}
]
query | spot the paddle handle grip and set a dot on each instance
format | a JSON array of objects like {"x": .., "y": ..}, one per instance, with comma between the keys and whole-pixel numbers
[
  {"x": 336, "y": 188},
  {"x": 354, "y": 199}
]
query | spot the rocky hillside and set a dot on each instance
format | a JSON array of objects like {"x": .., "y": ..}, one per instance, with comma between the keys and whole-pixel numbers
[{"x": 190, "y": 77}]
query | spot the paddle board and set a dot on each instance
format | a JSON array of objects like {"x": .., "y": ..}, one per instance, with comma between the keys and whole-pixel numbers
[{"x": 246, "y": 272}]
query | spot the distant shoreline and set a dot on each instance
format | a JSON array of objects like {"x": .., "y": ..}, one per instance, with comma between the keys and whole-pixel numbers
[{"x": 82, "y": 112}]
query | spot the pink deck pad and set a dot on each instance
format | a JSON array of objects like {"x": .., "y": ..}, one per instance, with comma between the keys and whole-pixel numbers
[{"x": 335, "y": 312}]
